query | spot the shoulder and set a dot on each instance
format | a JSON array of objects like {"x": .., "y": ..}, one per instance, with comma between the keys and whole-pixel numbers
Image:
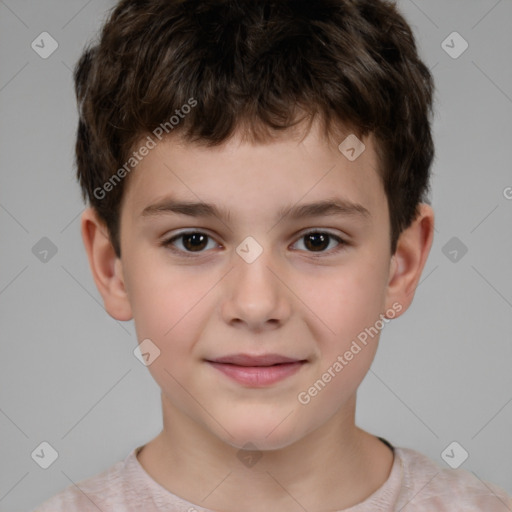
[
  {"x": 105, "y": 491},
  {"x": 428, "y": 486}
]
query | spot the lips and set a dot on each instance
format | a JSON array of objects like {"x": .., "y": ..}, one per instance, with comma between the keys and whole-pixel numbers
[
  {"x": 248, "y": 360},
  {"x": 257, "y": 371}
]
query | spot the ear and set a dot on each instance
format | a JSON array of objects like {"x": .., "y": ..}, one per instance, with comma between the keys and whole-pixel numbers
[
  {"x": 407, "y": 263},
  {"x": 106, "y": 267}
]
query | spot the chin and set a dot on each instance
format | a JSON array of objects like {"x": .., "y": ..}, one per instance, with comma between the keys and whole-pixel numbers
[{"x": 257, "y": 433}]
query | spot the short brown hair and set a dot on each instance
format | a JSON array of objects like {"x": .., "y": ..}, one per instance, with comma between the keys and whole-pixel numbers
[{"x": 264, "y": 65}]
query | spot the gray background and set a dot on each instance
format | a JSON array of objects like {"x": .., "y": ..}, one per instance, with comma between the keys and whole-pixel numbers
[{"x": 68, "y": 373}]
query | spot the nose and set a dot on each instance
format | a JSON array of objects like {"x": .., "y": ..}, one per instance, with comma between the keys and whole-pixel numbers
[{"x": 256, "y": 295}]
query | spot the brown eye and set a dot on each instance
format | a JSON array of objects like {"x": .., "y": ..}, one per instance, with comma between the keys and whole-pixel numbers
[
  {"x": 191, "y": 242},
  {"x": 319, "y": 241},
  {"x": 316, "y": 241},
  {"x": 194, "y": 241}
]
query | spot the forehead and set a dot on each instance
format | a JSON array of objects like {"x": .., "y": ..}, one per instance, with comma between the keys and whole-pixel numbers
[{"x": 241, "y": 178}]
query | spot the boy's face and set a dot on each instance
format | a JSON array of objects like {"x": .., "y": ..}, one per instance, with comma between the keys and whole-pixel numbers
[{"x": 304, "y": 298}]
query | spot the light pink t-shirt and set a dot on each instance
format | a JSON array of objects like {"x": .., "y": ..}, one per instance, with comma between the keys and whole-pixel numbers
[{"x": 415, "y": 484}]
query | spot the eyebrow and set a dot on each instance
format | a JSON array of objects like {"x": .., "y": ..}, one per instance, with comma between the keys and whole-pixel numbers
[{"x": 328, "y": 207}]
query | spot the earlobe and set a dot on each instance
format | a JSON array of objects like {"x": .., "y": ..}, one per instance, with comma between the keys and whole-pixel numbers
[
  {"x": 106, "y": 267},
  {"x": 410, "y": 257}
]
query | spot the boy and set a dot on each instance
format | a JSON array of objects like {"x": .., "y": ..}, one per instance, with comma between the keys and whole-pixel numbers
[{"x": 257, "y": 175}]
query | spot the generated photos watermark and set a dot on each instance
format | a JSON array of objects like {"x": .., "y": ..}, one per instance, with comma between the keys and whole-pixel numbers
[
  {"x": 305, "y": 397},
  {"x": 150, "y": 143}
]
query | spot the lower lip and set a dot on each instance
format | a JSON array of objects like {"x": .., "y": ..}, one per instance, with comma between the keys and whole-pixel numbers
[{"x": 258, "y": 376}]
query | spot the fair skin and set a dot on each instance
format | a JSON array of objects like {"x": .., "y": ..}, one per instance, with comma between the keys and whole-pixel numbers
[{"x": 299, "y": 298}]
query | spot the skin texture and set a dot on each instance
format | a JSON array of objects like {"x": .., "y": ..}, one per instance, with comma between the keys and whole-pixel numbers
[{"x": 292, "y": 300}]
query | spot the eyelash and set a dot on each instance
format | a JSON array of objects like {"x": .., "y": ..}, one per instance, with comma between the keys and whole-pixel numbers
[{"x": 189, "y": 254}]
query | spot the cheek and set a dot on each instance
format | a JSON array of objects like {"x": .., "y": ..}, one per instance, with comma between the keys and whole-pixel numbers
[
  {"x": 169, "y": 307},
  {"x": 165, "y": 300},
  {"x": 349, "y": 307},
  {"x": 342, "y": 302}
]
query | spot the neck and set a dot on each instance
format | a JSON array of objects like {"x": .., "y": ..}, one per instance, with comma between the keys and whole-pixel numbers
[{"x": 333, "y": 467}]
